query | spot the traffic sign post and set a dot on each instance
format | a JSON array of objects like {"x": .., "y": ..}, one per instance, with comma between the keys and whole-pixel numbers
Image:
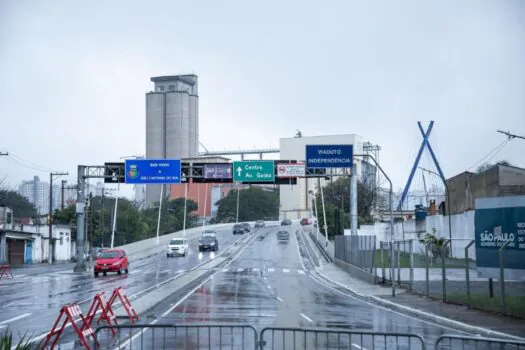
[
  {"x": 329, "y": 156},
  {"x": 153, "y": 171},
  {"x": 254, "y": 171},
  {"x": 290, "y": 170}
]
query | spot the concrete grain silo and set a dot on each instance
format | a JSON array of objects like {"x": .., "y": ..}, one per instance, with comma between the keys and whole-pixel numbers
[{"x": 172, "y": 122}]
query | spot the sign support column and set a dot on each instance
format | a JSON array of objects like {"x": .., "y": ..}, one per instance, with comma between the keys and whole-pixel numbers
[
  {"x": 80, "y": 265},
  {"x": 160, "y": 211},
  {"x": 353, "y": 202}
]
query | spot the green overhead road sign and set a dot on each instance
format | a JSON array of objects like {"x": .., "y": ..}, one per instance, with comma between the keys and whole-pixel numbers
[{"x": 254, "y": 171}]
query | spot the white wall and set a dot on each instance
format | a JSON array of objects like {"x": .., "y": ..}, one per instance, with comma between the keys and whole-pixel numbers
[
  {"x": 41, "y": 246},
  {"x": 295, "y": 198},
  {"x": 462, "y": 232}
]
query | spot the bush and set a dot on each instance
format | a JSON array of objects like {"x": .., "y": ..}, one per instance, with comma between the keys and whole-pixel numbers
[{"x": 6, "y": 342}]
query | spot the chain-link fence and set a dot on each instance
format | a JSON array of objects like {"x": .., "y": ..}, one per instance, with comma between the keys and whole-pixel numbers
[{"x": 428, "y": 269}]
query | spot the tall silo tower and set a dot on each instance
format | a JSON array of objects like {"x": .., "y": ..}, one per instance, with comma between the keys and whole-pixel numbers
[{"x": 172, "y": 122}]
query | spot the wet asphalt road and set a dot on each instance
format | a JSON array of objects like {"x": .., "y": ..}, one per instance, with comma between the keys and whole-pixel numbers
[
  {"x": 31, "y": 302},
  {"x": 269, "y": 285}
]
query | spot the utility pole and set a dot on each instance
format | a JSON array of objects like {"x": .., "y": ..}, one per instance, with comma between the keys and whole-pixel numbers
[
  {"x": 237, "y": 217},
  {"x": 509, "y": 135},
  {"x": 353, "y": 201},
  {"x": 50, "y": 220},
  {"x": 62, "y": 194}
]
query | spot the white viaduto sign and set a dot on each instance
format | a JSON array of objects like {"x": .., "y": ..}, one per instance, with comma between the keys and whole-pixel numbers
[{"x": 291, "y": 170}]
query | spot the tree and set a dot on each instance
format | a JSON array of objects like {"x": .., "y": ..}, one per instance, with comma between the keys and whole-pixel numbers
[
  {"x": 337, "y": 204},
  {"x": 19, "y": 204},
  {"x": 255, "y": 203},
  {"x": 486, "y": 166}
]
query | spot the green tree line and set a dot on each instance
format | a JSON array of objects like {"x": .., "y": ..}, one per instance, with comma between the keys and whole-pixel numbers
[
  {"x": 337, "y": 205},
  {"x": 132, "y": 223},
  {"x": 255, "y": 203}
]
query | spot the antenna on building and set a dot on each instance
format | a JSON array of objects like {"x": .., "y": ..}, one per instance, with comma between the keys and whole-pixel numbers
[{"x": 299, "y": 134}]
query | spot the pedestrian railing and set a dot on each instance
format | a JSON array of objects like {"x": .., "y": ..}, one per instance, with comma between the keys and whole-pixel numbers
[
  {"x": 238, "y": 336},
  {"x": 476, "y": 343},
  {"x": 297, "y": 338},
  {"x": 165, "y": 336}
]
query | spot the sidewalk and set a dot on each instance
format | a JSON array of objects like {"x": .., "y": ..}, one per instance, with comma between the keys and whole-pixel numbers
[{"x": 456, "y": 316}]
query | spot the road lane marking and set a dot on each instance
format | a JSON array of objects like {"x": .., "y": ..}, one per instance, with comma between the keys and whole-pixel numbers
[
  {"x": 165, "y": 271},
  {"x": 357, "y": 346},
  {"x": 15, "y": 318},
  {"x": 306, "y": 317},
  {"x": 240, "y": 270},
  {"x": 279, "y": 299},
  {"x": 271, "y": 269},
  {"x": 135, "y": 271},
  {"x": 255, "y": 269},
  {"x": 181, "y": 271},
  {"x": 225, "y": 270},
  {"x": 300, "y": 272},
  {"x": 269, "y": 287},
  {"x": 286, "y": 270},
  {"x": 173, "y": 307}
]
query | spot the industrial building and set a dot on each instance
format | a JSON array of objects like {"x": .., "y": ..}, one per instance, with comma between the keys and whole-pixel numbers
[
  {"x": 498, "y": 181},
  {"x": 296, "y": 200},
  {"x": 172, "y": 122}
]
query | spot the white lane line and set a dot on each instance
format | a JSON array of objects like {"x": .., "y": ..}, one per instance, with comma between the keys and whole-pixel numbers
[
  {"x": 279, "y": 299},
  {"x": 15, "y": 318},
  {"x": 357, "y": 346},
  {"x": 286, "y": 270},
  {"x": 225, "y": 270},
  {"x": 165, "y": 271},
  {"x": 240, "y": 270},
  {"x": 306, "y": 317},
  {"x": 181, "y": 271},
  {"x": 300, "y": 272},
  {"x": 269, "y": 287},
  {"x": 271, "y": 269},
  {"x": 135, "y": 271},
  {"x": 129, "y": 341},
  {"x": 255, "y": 269}
]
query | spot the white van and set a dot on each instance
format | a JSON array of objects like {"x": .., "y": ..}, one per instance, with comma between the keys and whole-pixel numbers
[{"x": 177, "y": 247}]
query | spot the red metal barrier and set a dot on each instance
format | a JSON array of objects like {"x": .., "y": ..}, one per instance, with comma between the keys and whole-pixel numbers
[
  {"x": 68, "y": 314},
  {"x": 121, "y": 295},
  {"x": 5, "y": 271},
  {"x": 107, "y": 314}
]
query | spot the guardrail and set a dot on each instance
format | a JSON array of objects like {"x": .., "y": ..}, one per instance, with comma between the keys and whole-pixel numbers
[
  {"x": 321, "y": 248},
  {"x": 461, "y": 342},
  {"x": 239, "y": 336}
]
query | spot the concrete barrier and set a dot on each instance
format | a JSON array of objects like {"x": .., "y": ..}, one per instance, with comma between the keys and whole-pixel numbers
[{"x": 149, "y": 247}]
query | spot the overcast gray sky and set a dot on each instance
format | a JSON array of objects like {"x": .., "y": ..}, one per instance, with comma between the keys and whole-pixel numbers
[{"x": 73, "y": 76}]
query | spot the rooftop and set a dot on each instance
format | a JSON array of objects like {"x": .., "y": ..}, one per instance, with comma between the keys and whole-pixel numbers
[{"x": 186, "y": 78}]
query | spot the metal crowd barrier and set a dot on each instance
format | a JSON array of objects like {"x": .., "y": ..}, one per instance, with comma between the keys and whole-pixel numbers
[
  {"x": 296, "y": 338},
  {"x": 447, "y": 341},
  {"x": 164, "y": 336},
  {"x": 233, "y": 337}
]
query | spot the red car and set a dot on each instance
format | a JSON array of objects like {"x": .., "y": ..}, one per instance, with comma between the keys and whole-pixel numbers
[
  {"x": 111, "y": 260},
  {"x": 305, "y": 221}
]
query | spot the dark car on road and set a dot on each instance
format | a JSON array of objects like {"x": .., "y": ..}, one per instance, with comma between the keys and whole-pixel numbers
[
  {"x": 208, "y": 241},
  {"x": 283, "y": 236},
  {"x": 246, "y": 226},
  {"x": 260, "y": 224},
  {"x": 286, "y": 222},
  {"x": 238, "y": 229}
]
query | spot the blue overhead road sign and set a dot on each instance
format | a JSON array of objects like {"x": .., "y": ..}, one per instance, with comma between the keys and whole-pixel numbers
[
  {"x": 153, "y": 171},
  {"x": 329, "y": 156}
]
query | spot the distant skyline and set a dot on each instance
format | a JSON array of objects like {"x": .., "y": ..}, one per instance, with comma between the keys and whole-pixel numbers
[{"x": 74, "y": 75}]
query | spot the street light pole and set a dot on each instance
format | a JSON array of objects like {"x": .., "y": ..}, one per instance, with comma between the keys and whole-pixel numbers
[
  {"x": 185, "y": 200},
  {"x": 324, "y": 216},
  {"x": 114, "y": 218},
  {"x": 50, "y": 220},
  {"x": 206, "y": 203},
  {"x": 160, "y": 210},
  {"x": 237, "y": 217}
]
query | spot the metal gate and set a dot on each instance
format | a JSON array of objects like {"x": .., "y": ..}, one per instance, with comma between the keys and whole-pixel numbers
[
  {"x": 297, "y": 338},
  {"x": 476, "y": 343},
  {"x": 165, "y": 336}
]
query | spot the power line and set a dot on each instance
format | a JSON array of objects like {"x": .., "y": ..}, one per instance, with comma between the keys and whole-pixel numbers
[
  {"x": 491, "y": 154},
  {"x": 511, "y": 136},
  {"x": 31, "y": 164}
]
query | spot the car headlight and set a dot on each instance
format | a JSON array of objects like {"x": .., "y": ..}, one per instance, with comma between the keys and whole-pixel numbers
[
  {"x": 212, "y": 243},
  {"x": 116, "y": 263}
]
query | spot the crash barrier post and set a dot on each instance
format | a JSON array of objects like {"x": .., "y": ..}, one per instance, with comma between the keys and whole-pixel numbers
[
  {"x": 68, "y": 314},
  {"x": 5, "y": 271},
  {"x": 291, "y": 338},
  {"x": 123, "y": 298},
  {"x": 447, "y": 341},
  {"x": 169, "y": 336},
  {"x": 106, "y": 313}
]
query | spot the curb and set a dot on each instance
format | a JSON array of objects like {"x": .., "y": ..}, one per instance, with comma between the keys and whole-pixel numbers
[{"x": 421, "y": 314}]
